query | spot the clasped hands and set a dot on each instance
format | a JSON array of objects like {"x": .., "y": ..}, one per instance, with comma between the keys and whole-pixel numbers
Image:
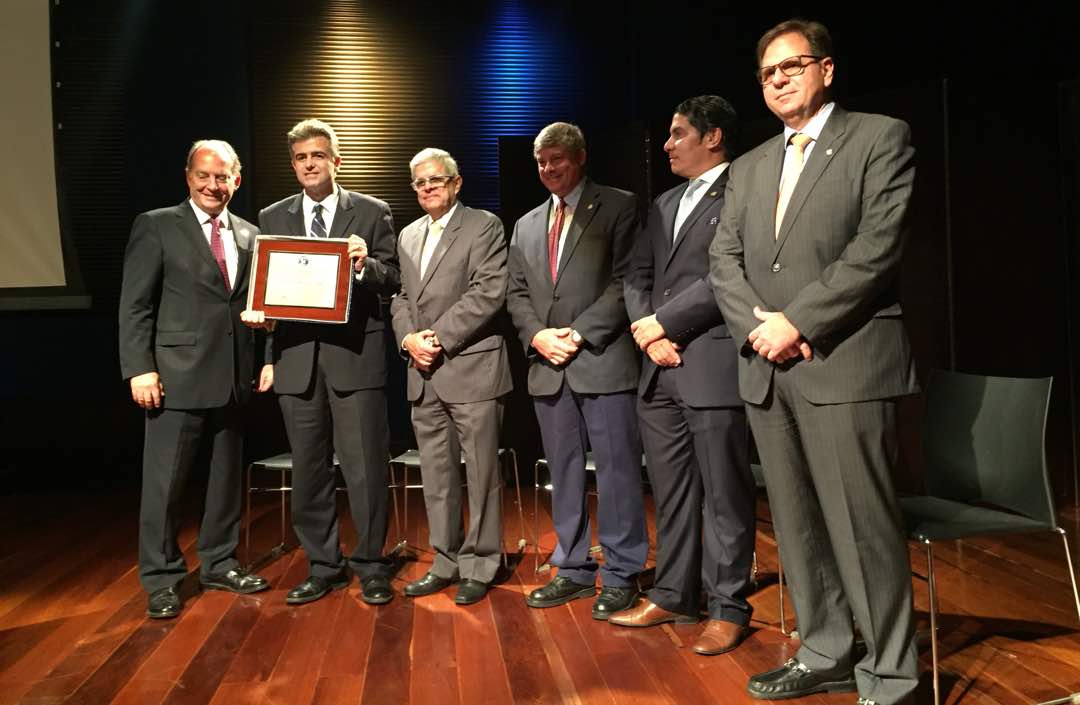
[
  {"x": 775, "y": 339},
  {"x": 651, "y": 337},
  {"x": 556, "y": 344},
  {"x": 423, "y": 347}
]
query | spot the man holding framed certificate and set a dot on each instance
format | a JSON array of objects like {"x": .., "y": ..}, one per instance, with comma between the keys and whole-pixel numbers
[{"x": 331, "y": 378}]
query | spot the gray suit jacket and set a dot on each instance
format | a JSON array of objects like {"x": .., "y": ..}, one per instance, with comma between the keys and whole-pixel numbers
[
  {"x": 176, "y": 318},
  {"x": 587, "y": 297},
  {"x": 669, "y": 276},
  {"x": 355, "y": 352},
  {"x": 833, "y": 268},
  {"x": 460, "y": 297}
]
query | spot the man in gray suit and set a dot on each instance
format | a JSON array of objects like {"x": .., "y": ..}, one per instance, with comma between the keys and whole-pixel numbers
[
  {"x": 804, "y": 266},
  {"x": 453, "y": 287},
  {"x": 190, "y": 365},
  {"x": 692, "y": 420},
  {"x": 568, "y": 257},
  {"x": 331, "y": 379}
]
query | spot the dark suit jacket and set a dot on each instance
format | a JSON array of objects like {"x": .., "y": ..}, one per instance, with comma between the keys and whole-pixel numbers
[
  {"x": 354, "y": 353},
  {"x": 587, "y": 297},
  {"x": 669, "y": 276},
  {"x": 176, "y": 317},
  {"x": 460, "y": 298},
  {"x": 833, "y": 269}
]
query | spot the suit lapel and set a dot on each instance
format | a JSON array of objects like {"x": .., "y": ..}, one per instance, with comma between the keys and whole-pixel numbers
[
  {"x": 828, "y": 143},
  {"x": 708, "y": 200},
  {"x": 296, "y": 217},
  {"x": 587, "y": 206},
  {"x": 243, "y": 238},
  {"x": 189, "y": 225},
  {"x": 343, "y": 218},
  {"x": 448, "y": 236}
]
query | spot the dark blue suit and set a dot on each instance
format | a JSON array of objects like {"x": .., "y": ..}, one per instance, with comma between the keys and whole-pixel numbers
[
  {"x": 692, "y": 419},
  {"x": 590, "y": 399}
]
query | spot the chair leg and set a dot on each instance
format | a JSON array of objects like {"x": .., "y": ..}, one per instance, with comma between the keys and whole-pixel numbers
[
  {"x": 536, "y": 516},
  {"x": 780, "y": 584},
  {"x": 1072, "y": 573},
  {"x": 932, "y": 584},
  {"x": 247, "y": 520},
  {"x": 281, "y": 504},
  {"x": 523, "y": 541},
  {"x": 394, "y": 486}
]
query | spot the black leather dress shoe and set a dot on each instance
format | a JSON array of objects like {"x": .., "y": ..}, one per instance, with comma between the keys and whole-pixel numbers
[
  {"x": 235, "y": 580},
  {"x": 428, "y": 585},
  {"x": 470, "y": 591},
  {"x": 164, "y": 603},
  {"x": 612, "y": 600},
  {"x": 558, "y": 592},
  {"x": 794, "y": 680},
  {"x": 376, "y": 590},
  {"x": 315, "y": 587}
]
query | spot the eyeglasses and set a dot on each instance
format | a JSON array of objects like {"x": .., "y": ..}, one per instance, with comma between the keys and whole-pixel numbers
[
  {"x": 791, "y": 66},
  {"x": 435, "y": 181}
]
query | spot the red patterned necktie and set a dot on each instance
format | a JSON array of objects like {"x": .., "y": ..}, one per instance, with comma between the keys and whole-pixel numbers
[
  {"x": 553, "y": 238},
  {"x": 218, "y": 249}
]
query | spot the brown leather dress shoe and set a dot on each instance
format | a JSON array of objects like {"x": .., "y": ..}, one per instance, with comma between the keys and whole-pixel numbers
[
  {"x": 648, "y": 614},
  {"x": 720, "y": 637}
]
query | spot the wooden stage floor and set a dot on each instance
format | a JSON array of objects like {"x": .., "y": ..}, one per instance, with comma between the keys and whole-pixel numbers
[{"x": 73, "y": 627}]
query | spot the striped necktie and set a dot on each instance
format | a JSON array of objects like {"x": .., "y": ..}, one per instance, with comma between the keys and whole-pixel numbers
[{"x": 318, "y": 225}]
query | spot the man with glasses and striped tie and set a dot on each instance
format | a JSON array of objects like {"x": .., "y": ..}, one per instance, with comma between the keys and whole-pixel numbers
[{"x": 331, "y": 379}]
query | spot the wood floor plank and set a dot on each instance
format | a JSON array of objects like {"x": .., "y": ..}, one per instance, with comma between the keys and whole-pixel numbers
[
  {"x": 296, "y": 672},
  {"x": 338, "y": 690},
  {"x": 576, "y": 657},
  {"x": 198, "y": 682},
  {"x": 525, "y": 646},
  {"x": 482, "y": 668},
  {"x": 434, "y": 674},
  {"x": 386, "y": 681},
  {"x": 627, "y": 677}
]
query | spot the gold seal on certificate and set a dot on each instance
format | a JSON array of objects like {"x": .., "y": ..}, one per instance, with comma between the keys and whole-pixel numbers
[{"x": 301, "y": 278}]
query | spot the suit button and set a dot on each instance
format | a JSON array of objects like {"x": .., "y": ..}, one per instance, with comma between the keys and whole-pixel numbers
[
  {"x": 776, "y": 267},
  {"x": 555, "y": 297},
  {"x": 667, "y": 292},
  {"x": 230, "y": 333}
]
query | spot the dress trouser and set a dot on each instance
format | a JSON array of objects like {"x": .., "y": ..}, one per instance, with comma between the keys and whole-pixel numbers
[
  {"x": 354, "y": 424},
  {"x": 569, "y": 424},
  {"x": 704, "y": 492},
  {"x": 828, "y": 473},
  {"x": 173, "y": 440},
  {"x": 445, "y": 432}
]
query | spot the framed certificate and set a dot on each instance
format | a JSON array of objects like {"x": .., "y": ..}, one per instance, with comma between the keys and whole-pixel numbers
[{"x": 301, "y": 278}]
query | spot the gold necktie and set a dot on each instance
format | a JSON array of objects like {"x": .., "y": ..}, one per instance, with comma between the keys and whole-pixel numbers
[{"x": 790, "y": 177}]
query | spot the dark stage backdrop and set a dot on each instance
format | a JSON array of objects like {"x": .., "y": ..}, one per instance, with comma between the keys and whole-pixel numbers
[{"x": 990, "y": 277}]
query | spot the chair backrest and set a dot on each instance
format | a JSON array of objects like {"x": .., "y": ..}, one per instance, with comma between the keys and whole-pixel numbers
[{"x": 983, "y": 441}]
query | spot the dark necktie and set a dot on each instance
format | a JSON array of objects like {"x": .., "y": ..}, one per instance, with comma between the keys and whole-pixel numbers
[
  {"x": 218, "y": 249},
  {"x": 318, "y": 225},
  {"x": 553, "y": 238}
]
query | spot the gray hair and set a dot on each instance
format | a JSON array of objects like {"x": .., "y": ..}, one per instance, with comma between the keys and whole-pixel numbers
[
  {"x": 221, "y": 147},
  {"x": 310, "y": 129},
  {"x": 428, "y": 154},
  {"x": 560, "y": 134}
]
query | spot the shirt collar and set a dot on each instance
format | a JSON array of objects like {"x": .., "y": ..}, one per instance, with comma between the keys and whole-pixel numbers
[
  {"x": 445, "y": 219},
  {"x": 814, "y": 127},
  {"x": 329, "y": 203},
  {"x": 573, "y": 197},
  {"x": 202, "y": 216},
  {"x": 710, "y": 176}
]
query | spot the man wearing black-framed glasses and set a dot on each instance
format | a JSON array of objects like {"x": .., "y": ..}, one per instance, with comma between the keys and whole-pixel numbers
[{"x": 804, "y": 267}]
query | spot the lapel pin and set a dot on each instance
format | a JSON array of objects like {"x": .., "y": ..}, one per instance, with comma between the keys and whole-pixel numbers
[
  {"x": 589, "y": 208},
  {"x": 713, "y": 220},
  {"x": 713, "y": 193},
  {"x": 828, "y": 152}
]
